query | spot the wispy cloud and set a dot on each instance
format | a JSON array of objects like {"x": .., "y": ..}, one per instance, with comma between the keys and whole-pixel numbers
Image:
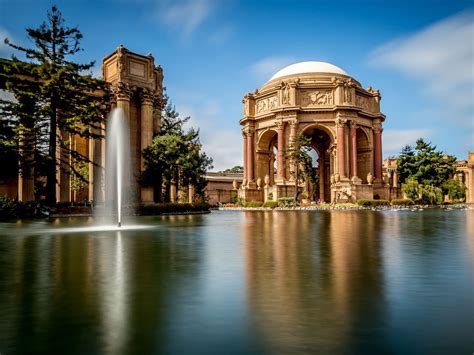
[
  {"x": 266, "y": 67},
  {"x": 395, "y": 139},
  {"x": 5, "y": 49},
  {"x": 441, "y": 57},
  {"x": 184, "y": 15},
  {"x": 223, "y": 145}
]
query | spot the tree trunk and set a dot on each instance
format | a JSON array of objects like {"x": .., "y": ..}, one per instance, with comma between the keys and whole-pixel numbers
[{"x": 51, "y": 174}]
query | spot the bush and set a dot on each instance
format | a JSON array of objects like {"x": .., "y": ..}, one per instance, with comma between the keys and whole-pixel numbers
[
  {"x": 253, "y": 204},
  {"x": 402, "y": 202},
  {"x": 270, "y": 204},
  {"x": 373, "y": 203},
  {"x": 286, "y": 201},
  {"x": 11, "y": 209},
  {"x": 161, "y": 208}
]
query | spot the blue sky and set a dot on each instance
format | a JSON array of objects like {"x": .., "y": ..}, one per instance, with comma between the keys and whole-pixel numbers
[{"x": 419, "y": 54}]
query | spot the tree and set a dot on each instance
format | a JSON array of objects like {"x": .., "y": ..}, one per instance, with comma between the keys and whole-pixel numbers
[
  {"x": 455, "y": 189},
  {"x": 235, "y": 169},
  {"x": 425, "y": 164},
  {"x": 175, "y": 156},
  {"x": 66, "y": 100},
  {"x": 298, "y": 156}
]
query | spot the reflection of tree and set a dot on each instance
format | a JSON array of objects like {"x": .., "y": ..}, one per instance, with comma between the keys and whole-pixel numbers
[{"x": 313, "y": 278}]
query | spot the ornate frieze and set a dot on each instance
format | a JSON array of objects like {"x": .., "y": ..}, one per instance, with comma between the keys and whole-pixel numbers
[
  {"x": 316, "y": 98},
  {"x": 362, "y": 102},
  {"x": 266, "y": 104}
]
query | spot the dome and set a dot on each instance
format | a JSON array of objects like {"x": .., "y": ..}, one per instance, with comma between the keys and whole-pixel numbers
[{"x": 308, "y": 67}]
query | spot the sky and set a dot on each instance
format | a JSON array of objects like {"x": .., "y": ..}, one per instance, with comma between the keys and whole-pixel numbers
[{"x": 419, "y": 54}]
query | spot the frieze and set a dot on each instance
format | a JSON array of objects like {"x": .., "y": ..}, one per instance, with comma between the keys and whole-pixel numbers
[
  {"x": 317, "y": 98},
  {"x": 362, "y": 101},
  {"x": 267, "y": 104}
]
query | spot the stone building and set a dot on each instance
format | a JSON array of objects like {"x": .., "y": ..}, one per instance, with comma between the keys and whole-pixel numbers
[
  {"x": 342, "y": 119},
  {"x": 465, "y": 174},
  {"x": 137, "y": 88}
]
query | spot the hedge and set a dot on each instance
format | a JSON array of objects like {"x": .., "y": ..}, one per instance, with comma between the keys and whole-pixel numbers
[
  {"x": 160, "y": 208},
  {"x": 270, "y": 204},
  {"x": 12, "y": 209},
  {"x": 286, "y": 201},
  {"x": 402, "y": 202},
  {"x": 253, "y": 204},
  {"x": 373, "y": 203}
]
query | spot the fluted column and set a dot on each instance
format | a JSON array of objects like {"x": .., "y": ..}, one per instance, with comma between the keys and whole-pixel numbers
[
  {"x": 353, "y": 134},
  {"x": 378, "y": 151},
  {"x": 146, "y": 192},
  {"x": 281, "y": 150},
  {"x": 341, "y": 148},
  {"x": 321, "y": 177},
  {"x": 246, "y": 165},
  {"x": 250, "y": 154},
  {"x": 293, "y": 131}
]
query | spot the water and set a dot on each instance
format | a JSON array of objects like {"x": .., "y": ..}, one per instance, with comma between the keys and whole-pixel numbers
[
  {"x": 117, "y": 166},
  {"x": 338, "y": 282}
]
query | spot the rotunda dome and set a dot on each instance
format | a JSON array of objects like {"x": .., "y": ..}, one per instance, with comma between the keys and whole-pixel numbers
[{"x": 307, "y": 68}]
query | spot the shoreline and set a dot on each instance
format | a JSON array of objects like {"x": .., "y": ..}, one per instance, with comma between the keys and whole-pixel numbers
[{"x": 350, "y": 208}]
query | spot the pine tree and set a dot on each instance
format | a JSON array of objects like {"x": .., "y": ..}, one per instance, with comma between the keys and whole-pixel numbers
[{"x": 67, "y": 101}]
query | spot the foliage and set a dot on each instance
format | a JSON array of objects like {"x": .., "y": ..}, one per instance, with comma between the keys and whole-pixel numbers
[
  {"x": 373, "y": 203},
  {"x": 12, "y": 209},
  {"x": 270, "y": 204},
  {"x": 424, "y": 164},
  {"x": 270, "y": 196},
  {"x": 297, "y": 154},
  {"x": 402, "y": 202},
  {"x": 412, "y": 189},
  {"x": 165, "y": 208},
  {"x": 235, "y": 169},
  {"x": 56, "y": 99},
  {"x": 253, "y": 204},
  {"x": 175, "y": 156},
  {"x": 286, "y": 201},
  {"x": 79, "y": 176},
  {"x": 455, "y": 189},
  {"x": 431, "y": 195}
]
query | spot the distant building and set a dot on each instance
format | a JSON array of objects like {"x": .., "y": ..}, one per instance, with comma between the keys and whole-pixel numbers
[
  {"x": 222, "y": 187},
  {"x": 465, "y": 173}
]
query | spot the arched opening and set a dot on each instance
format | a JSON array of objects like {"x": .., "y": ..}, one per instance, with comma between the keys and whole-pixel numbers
[
  {"x": 321, "y": 140},
  {"x": 266, "y": 155},
  {"x": 364, "y": 155}
]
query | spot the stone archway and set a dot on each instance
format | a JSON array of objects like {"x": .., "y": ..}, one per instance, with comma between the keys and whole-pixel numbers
[
  {"x": 364, "y": 155},
  {"x": 266, "y": 146},
  {"x": 321, "y": 141}
]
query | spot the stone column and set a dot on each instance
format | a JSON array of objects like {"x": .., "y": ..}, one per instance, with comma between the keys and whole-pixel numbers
[
  {"x": 172, "y": 192},
  {"x": 353, "y": 134},
  {"x": 250, "y": 154},
  {"x": 281, "y": 150},
  {"x": 341, "y": 148},
  {"x": 146, "y": 192},
  {"x": 191, "y": 193},
  {"x": 395, "y": 178},
  {"x": 293, "y": 130},
  {"x": 378, "y": 151},
  {"x": 321, "y": 177},
  {"x": 246, "y": 167}
]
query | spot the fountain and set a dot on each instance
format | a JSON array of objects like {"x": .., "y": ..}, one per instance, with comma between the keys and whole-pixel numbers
[{"x": 117, "y": 165}]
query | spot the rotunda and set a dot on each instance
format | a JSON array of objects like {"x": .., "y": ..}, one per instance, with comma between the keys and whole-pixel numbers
[{"x": 342, "y": 120}]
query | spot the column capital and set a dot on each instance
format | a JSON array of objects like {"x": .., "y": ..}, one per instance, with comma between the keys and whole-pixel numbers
[
  {"x": 122, "y": 91},
  {"x": 293, "y": 123},
  {"x": 146, "y": 97},
  {"x": 340, "y": 121},
  {"x": 248, "y": 131},
  {"x": 280, "y": 124},
  {"x": 353, "y": 123}
]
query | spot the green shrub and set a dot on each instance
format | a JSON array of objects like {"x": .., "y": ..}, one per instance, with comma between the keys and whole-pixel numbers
[
  {"x": 160, "y": 208},
  {"x": 11, "y": 209},
  {"x": 253, "y": 204},
  {"x": 373, "y": 203},
  {"x": 286, "y": 201},
  {"x": 402, "y": 202},
  {"x": 270, "y": 204}
]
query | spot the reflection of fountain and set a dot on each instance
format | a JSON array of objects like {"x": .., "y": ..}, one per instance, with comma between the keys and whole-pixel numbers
[{"x": 117, "y": 163}]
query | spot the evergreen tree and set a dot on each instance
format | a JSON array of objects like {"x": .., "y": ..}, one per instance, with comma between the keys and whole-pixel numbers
[
  {"x": 298, "y": 155},
  {"x": 66, "y": 100},
  {"x": 175, "y": 156}
]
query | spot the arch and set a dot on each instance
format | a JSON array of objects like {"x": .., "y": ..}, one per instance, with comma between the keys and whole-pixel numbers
[
  {"x": 364, "y": 154},
  {"x": 321, "y": 127},
  {"x": 265, "y": 138},
  {"x": 267, "y": 141}
]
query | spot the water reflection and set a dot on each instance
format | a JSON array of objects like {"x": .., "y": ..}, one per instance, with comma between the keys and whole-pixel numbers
[{"x": 238, "y": 283}]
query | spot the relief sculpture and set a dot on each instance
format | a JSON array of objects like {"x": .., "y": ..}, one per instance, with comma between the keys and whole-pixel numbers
[
  {"x": 362, "y": 101},
  {"x": 317, "y": 98},
  {"x": 265, "y": 105}
]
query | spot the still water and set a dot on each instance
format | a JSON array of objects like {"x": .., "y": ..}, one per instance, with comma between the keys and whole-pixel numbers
[{"x": 342, "y": 282}]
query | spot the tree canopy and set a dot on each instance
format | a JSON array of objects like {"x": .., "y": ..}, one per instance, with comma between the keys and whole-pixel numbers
[{"x": 56, "y": 99}]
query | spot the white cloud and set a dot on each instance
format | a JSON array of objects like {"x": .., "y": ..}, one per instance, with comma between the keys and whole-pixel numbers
[
  {"x": 184, "y": 15},
  {"x": 395, "y": 139},
  {"x": 266, "y": 67},
  {"x": 5, "y": 49},
  {"x": 221, "y": 36},
  {"x": 223, "y": 145},
  {"x": 441, "y": 56}
]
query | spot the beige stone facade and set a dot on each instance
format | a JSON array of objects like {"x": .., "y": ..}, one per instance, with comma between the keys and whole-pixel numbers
[
  {"x": 342, "y": 119},
  {"x": 465, "y": 173},
  {"x": 137, "y": 88},
  {"x": 221, "y": 187}
]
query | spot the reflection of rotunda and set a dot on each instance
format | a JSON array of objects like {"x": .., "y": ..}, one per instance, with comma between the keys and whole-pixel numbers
[{"x": 342, "y": 119}]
